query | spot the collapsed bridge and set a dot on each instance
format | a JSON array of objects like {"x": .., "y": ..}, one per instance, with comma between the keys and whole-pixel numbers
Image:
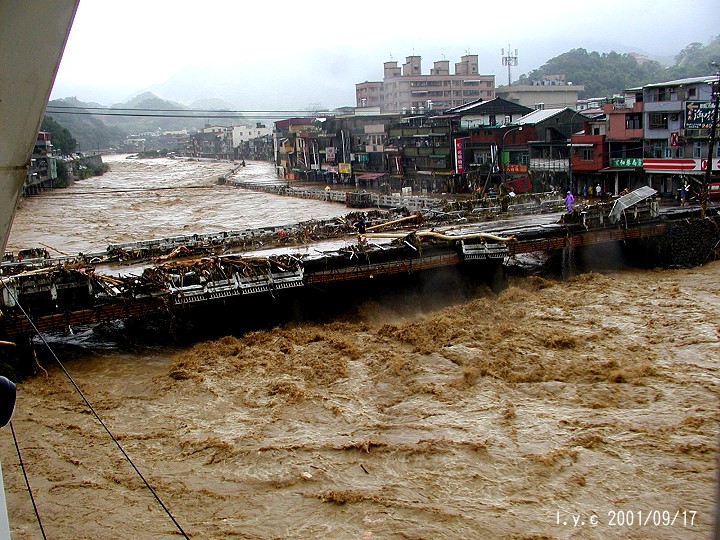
[{"x": 76, "y": 293}]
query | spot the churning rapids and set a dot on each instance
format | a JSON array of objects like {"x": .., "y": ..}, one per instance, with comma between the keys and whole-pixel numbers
[{"x": 585, "y": 408}]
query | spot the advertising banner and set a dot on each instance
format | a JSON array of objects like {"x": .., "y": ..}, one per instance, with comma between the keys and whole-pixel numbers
[
  {"x": 459, "y": 161},
  {"x": 698, "y": 115}
]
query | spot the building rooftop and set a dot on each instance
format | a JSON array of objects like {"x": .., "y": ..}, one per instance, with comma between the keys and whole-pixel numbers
[
  {"x": 492, "y": 106},
  {"x": 540, "y": 115},
  {"x": 708, "y": 79}
]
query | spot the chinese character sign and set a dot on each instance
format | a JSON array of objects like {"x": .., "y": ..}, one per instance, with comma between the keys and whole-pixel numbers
[
  {"x": 626, "y": 162},
  {"x": 698, "y": 115},
  {"x": 459, "y": 161}
]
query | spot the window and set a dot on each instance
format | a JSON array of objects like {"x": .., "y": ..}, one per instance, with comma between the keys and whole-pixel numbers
[
  {"x": 586, "y": 154},
  {"x": 633, "y": 121},
  {"x": 659, "y": 149},
  {"x": 697, "y": 149},
  {"x": 492, "y": 120},
  {"x": 658, "y": 121},
  {"x": 692, "y": 92},
  {"x": 482, "y": 157}
]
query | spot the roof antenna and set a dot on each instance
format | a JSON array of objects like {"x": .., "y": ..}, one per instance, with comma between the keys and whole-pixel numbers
[{"x": 508, "y": 60}]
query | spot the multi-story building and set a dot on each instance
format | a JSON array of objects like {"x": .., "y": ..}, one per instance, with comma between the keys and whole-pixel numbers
[
  {"x": 624, "y": 141},
  {"x": 549, "y": 93},
  {"x": 211, "y": 141},
  {"x": 407, "y": 89},
  {"x": 549, "y": 151},
  {"x": 676, "y": 125},
  {"x": 588, "y": 157},
  {"x": 293, "y": 156},
  {"x": 654, "y": 135},
  {"x": 252, "y": 142},
  {"x": 243, "y": 134},
  {"x": 42, "y": 172},
  {"x": 424, "y": 144}
]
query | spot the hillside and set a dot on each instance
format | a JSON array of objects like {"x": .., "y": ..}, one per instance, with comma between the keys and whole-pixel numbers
[
  {"x": 90, "y": 130},
  {"x": 96, "y": 126},
  {"x": 606, "y": 74},
  {"x": 144, "y": 121}
]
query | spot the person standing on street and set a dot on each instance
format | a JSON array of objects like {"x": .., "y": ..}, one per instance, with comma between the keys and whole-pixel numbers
[{"x": 569, "y": 200}]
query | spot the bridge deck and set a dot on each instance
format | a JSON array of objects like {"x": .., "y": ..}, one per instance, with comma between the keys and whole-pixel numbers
[{"x": 60, "y": 301}]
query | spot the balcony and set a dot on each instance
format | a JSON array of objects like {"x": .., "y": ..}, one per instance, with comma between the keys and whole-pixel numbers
[{"x": 550, "y": 164}]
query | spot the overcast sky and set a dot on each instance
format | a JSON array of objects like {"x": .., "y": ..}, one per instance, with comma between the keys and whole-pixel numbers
[{"x": 234, "y": 50}]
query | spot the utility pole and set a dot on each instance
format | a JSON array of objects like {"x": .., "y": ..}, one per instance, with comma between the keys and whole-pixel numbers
[
  {"x": 508, "y": 60},
  {"x": 711, "y": 142}
]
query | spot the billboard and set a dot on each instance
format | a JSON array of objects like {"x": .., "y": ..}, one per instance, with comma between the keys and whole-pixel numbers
[{"x": 698, "y": 114}]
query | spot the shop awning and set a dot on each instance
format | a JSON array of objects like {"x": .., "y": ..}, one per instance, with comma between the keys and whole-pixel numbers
[
  {"x": 620, "y": 169},
  {"x": 371, "y": 175}
]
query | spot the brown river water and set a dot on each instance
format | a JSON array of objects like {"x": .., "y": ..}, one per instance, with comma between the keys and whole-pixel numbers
[{"x": 579, "y": 409}]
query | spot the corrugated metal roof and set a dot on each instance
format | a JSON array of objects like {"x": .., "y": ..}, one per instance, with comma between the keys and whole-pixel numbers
[
  {"x": 492, "y": 106},
  {"x": 628, "y": 200},
  {"x": 539, "y": 115},
  {"x": 678, "y": 82}
]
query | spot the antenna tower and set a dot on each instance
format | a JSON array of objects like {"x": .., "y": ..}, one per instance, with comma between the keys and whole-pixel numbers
[{"x": 508, "y": 60}]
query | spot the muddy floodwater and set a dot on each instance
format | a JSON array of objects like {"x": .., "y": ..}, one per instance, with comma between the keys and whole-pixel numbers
[
  {"x": 580, "y": 409},
  {"x": 143, "y": 199}
]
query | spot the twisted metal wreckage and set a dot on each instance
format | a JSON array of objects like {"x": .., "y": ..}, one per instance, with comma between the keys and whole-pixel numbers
[
  {"x": 41, "y": 286},
  {"x": 57, "y": 293}
]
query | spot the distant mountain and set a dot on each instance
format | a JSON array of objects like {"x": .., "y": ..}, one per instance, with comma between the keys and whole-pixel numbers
[
  {"x": 212, "y": 104},
  {"x": 95, "y": 129},
  {"x": 148, "y": 100},
  {"x": 90, "y": 130},
  {"x": 154, "y": 114}
]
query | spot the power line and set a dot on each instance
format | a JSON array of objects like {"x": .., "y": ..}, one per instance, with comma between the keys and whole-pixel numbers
[
  {"x": 98, "y": 418},
  {"x": 175, "y": 110},
  {"x": 175, "y": 113}
]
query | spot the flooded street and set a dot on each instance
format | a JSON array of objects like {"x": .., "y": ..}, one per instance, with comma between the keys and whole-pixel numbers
[
  {"x": 148, "y": 199},
  {"x": 580, "y": 409}
]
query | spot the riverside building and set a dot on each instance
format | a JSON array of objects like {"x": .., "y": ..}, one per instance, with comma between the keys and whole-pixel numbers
[{"x": 406, "y": 90}]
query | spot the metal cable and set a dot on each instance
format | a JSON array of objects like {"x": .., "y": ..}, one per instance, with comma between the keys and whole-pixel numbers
[
  {"x": 97, "y": 416},
  {"x": 27, "y": 481}
]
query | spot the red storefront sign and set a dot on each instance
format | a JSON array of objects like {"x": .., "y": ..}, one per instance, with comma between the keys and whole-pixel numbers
[
  {"x": 678, "y": 165},
  {"x": 459, "y": 161},
  {"x": 515, "y": 168}
]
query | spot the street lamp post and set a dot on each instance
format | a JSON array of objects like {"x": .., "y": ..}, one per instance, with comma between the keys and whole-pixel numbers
[
  {"x": 570, "y": 154},
  {"x": 711, "y": 142},
  {"x": 502, "y": 148}
]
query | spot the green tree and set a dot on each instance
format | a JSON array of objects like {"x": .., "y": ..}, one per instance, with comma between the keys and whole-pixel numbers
[
  {"x": 61, "y": 136},
  {"x": 602, "y": 74},
  {"x": 605, "y": 74},
  {"x": 694, "y": 60}
]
